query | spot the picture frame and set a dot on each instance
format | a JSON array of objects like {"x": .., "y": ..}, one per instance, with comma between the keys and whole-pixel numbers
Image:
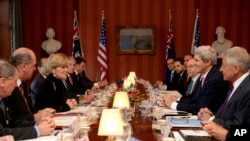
[{"x": 135, "y": 39}]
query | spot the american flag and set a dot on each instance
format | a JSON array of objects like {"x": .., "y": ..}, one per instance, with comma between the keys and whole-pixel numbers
[
  {"x": 196, "y": 34},
  {"x": 170, "y": 51},
  {"x": 76, "y": 50},
  {"x": 102, "y": 52}
]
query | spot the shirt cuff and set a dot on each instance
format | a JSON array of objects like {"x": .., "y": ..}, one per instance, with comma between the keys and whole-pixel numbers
[
  {"x": 37, "y": 130},
  {"x": 174, "y": 105},
  {"x": 96, "y": 84},
  {"x": 211, "y": 118}
]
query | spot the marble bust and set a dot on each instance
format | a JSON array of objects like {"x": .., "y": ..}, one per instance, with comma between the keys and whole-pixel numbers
[
  {"x": 221, "y": 44},
  {"x": 51, "y": 45}
]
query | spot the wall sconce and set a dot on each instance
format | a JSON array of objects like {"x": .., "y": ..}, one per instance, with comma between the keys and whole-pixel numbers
[{"x": 111, "y": 124}]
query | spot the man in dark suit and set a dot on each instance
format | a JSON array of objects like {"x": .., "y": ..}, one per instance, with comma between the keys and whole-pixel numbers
[
  {"x": 20, "y": 103},
  {"x": 38, "y": 80},
  {"x": 193, "y": 81},
  {"x": 179, "y": 79},
  {"x": 81, "y": 82},
  {"x": 26, "y": 129},
  {"x": 212, "y": 90},
  {"x": 235, "y": 66}
]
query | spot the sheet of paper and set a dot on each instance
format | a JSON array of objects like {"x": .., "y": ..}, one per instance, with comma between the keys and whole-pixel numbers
[
  {"x": 199, "y": 133},
  {"x": 168, "y": 111},
  {"x": 45, "y": 138},
  {"x": 64, "y": 120},
  {"x": 178, "y": 136}
]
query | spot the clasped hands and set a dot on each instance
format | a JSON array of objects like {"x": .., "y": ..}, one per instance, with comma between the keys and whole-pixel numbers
[
  {"x": 46, "y": 126},
  {"x": 169, "y": 99},
  {"x": 217, "y": 131}
]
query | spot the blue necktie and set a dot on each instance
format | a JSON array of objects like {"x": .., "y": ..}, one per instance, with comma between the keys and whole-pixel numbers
[{"x": 189, "y": 88}]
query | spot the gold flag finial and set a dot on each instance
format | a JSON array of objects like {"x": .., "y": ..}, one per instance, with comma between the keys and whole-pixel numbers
[
  {"x": 170, "y": 16},
  {"x": 102, "y": 13},
  {"x": 74, "y": 13},
  {"x": 197, "y": 12}
]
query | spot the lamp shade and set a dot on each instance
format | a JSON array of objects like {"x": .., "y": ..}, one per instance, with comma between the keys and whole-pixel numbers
[
  {"x": 111, "y": 123},
  {"x": 132, "y": 74},
  {"x": 132, "y": 79},
  {"x": 121, "y": 100}
]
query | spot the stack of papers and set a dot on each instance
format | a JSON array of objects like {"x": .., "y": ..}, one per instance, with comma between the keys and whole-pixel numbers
[{"x": 169, "y": 92}]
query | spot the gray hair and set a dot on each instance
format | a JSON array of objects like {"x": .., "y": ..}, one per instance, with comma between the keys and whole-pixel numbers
[
  {"x": 238, "y": 56},
  {"x": 18, "y": 58},
  {"x": 207, "y": 53},
  {"x": 7, "y": 70}
]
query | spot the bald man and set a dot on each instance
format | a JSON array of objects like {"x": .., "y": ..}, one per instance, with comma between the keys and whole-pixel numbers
[{"x": 20, "y": 103}]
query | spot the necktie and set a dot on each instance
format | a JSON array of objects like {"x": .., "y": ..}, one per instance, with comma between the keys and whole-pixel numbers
[
  {"x": 70, "y": 80},
  {"x": 2, "y": 107},
  {"x": 21, "y": 89},
  {"x": 171, "y": 76},
  {"x": 202, "y": 80},
  {"x": 221, "y": 111},
  {"x": 189, "y": 87},
  {"x": 65, "y": 84}
]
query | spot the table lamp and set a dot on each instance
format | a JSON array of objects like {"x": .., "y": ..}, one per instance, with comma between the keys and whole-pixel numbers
[
  {"x": 111, "y": 124},
  {"x": 132, "y": 74},
  {"x": 121, "y": 100}
]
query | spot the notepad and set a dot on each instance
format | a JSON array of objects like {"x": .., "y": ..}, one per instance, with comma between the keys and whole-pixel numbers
[{"x": 184, "y": 122}]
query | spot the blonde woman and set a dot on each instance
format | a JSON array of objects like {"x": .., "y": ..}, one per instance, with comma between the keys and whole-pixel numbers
[{"x": 55, "y": 93}]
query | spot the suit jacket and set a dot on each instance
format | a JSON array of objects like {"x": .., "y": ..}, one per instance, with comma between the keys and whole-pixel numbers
[
  {"x": 194, "y": 90},
  {"x": 35, "y": 86},
  {"x": 81, "y": 83},
  {"x": 53, "y": 94},
  {"x": 179, "y": 82},
  {"x": 17, "y": 105},
  {"x": 25, "y": 130},
  {"x": 211, "y": 95},
  {"x": 235, "y": 109}
]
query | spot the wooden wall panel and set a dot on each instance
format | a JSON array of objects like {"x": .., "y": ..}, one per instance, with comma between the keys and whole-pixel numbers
[
  {"x": 4, "y": 30},
  {"x": 134, "y": 13},
  {"x": 40, "y": 14}
]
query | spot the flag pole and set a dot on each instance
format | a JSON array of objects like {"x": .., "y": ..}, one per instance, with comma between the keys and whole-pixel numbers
[
  {"x": 99, "y": 66},
  {"x": 75, "y": 15}
]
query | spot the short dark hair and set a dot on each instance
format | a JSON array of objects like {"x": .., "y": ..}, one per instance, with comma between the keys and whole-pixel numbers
[
  {"x": 79, "y": 60},
  {"x": 180, "y": 59}
]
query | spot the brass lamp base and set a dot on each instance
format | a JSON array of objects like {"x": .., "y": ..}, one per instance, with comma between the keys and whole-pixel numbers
[{"x": 110, "y": 138}]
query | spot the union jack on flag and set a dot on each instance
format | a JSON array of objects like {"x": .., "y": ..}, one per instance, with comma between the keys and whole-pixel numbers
[
  {"x": 76, "y": 50},
  {"x": 170, "y": 51},
  {"x": 102, "y": 52}
]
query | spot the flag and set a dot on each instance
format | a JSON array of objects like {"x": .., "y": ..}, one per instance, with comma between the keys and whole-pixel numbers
[
  {"x": 170, "y": 51},
  {"x": 196, "y": 34},
  {"x": 102, "y": 52},
  {"x": 76, "y": 50}
]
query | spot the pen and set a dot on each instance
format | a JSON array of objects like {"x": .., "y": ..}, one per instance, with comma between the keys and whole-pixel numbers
[{"x": 56, "y": 133}]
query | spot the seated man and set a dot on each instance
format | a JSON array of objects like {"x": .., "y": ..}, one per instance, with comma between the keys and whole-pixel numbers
[
  {"x": 81, "y": 82},
  {"x": 235, "y": 69},
  {"x": 212, "y": 90},
  {"x": 25, "y": 129},
  {"x": 179, "y": 79},
  {"x": 38, "y": 80}
]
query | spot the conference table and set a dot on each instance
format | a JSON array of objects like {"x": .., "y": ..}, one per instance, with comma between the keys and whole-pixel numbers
[{"x": 142, "y": 130}]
